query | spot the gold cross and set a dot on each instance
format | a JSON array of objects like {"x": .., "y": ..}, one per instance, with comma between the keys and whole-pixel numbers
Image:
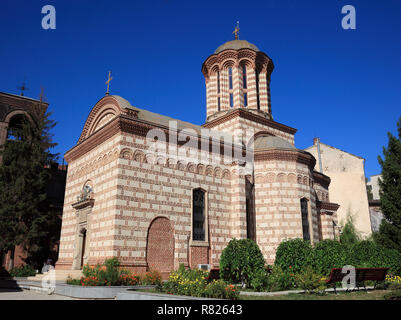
[
  {"x": 236, "y": 31},
  {"x": 108, "y": 83}
]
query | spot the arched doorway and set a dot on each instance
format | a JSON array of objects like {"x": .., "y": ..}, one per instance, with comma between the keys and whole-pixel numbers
[{"x": 160, "y": 246}]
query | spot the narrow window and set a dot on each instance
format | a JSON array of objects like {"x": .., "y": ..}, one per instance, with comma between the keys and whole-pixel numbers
[
  {"x": 198, "y": 215},
  {"x": 218, "y": 103},
  {"x": 218, "y": 81},
  {"x": 305, "y": 220},
  {"x": 257, "y": 89},
  {"x": 244, "y": 77},
  {"x": 230, "y": 78},
  {"x": 245, "y": 99},
  {"x": 231, "y": 100}
]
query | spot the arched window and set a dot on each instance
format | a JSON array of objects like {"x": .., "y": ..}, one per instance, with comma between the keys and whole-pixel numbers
[
  {"x": 218, "y": 81},
  {"x": 218, "y": 90},
  {"x": 15, "y": 127},
  {"x": 230, "y": 78},
  {"x": 257, "y": 89},
  {"x": 305, "y": 219},
  {"x": 244, "y": 80},
  {"x": 198, "y": 215}
]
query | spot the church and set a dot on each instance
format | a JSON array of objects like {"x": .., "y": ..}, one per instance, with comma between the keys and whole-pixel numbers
[{"x": 157, "y": 192}]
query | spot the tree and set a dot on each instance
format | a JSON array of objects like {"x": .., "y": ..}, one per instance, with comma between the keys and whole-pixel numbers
[
  {"x": 241, "y": 261},
  {"x": 389, "y": 234},
  {"x": 26, "y": 217},
  {"x": 349, "y": 235}
]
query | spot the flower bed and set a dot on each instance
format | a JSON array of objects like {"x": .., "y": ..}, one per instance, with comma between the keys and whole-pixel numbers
[
  {"x": 191, "y": 282},
  {"x": 110, "y": 274}
]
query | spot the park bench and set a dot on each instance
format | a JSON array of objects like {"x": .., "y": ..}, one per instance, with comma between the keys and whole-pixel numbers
[
  {"x": 361, "y": 275},
  {"x": 214, "y": 274}
]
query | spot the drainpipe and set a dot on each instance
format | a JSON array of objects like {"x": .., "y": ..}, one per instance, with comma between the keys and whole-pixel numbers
[{"x": 317, "y": 142}]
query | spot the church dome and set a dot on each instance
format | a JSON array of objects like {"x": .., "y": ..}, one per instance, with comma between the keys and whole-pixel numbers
[
  {"x": 272, "y": 142},
  {"x": 236, "y": 45}
]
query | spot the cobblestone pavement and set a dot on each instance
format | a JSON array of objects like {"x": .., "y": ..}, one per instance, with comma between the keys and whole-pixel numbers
[{"x": 18, "y": 294}]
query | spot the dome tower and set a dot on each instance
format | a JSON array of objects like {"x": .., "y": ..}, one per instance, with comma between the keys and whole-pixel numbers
[{"x": 237, "y": 76}]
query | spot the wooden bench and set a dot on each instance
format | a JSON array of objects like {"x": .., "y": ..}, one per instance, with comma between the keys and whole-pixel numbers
[
  {"x": 214, "y": 274},
  {"x": 361, "y": 275}
]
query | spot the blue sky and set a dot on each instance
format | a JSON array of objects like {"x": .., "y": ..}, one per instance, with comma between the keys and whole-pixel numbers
[{"x": 341, "y": 85}]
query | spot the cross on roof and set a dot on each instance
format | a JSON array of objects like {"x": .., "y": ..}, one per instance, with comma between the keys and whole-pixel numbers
[
  {"x": 108, "y": 83},
  {"x": 236, "y": 31},
  {"x": 22, "y": 88}
]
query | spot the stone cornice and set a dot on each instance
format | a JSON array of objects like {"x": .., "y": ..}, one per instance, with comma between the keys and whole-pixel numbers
[
  {"x": 109, "y": 130},
  {"x": 83, "y": 204},
  {"x": 286, "y": 155},
  {"x": 258, "y": 59},
  {"x": 243, "y": 113},
  {"x": 328, "y": 207},
  {"x": 321, "y": 179},
  {"x": 124, "y": 123}
]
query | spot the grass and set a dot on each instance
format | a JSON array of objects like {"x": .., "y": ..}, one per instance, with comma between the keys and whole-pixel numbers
[{"x": 356, "y": 295}]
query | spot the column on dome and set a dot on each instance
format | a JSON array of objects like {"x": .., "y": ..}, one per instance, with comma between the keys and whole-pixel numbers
[
  {"x": 224, "y": 91},
  {"x": 263, "y": 96},
  {"x": 211, "y": 90},
  {"x": 269, "y": 105},
  {"x": 237, "y": 86},
  {"x": 250, "y": 89}
]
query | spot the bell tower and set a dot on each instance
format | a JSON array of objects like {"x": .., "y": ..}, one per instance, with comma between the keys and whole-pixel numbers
[{"x": 237, "y": 76}]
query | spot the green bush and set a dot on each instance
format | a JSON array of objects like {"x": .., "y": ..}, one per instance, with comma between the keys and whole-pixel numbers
[
  {"x": 310, "y": 281},
  {"x": 152, "y": 277},
  {"x": 193, "y": 282},
  {"x": 279, "y": 279},
  {"x": 328, "y": 254},
  {"x": 240, "y": 261},
  {"x": 260, "y": 280},
  {"x": 110, "y": 274},
  {"x": 218, "y": 289},
  {"x": 23, "y": 271},
  {"x": 294, "y": 253}
]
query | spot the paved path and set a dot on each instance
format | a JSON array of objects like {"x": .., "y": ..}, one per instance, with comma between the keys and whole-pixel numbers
[{"x": 16, "y": 294}]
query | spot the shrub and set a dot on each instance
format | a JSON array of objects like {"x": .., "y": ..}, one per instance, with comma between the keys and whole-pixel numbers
[
  {"x": 294, "y": 253},
  {"x": 310, "y": 281},
  {"x": 110, "y": 274},
  {"x": 349, "y": 236},
  {"x": 23, "y": 271},
  {"x": 151, "y": 277},
  {"x": 220, "y": 290},
  {"x": 279, "y": 279},
  {"x": 260, "y": 280},
  {"x": 328, "y": 254},
  {"x": 190, "y": 282},
  {"x": 240, "y": 261}
]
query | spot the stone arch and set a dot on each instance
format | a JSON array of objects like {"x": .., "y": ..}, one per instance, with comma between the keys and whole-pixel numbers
[
  {"x": 271, "y": 177},
  {"x": 292, "y": 178},
  {"x": 201, "y": 168},
  {"x": 160, "y": 245},
  {"x": 218, "y": 172},
  {"x": 226, "y": 174},
  {"x": 281, "y": 177},
  {"x": 209, "y": 171},
  {"x": 139, "y": 156},
  {"x": 126, "y": 154}
]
